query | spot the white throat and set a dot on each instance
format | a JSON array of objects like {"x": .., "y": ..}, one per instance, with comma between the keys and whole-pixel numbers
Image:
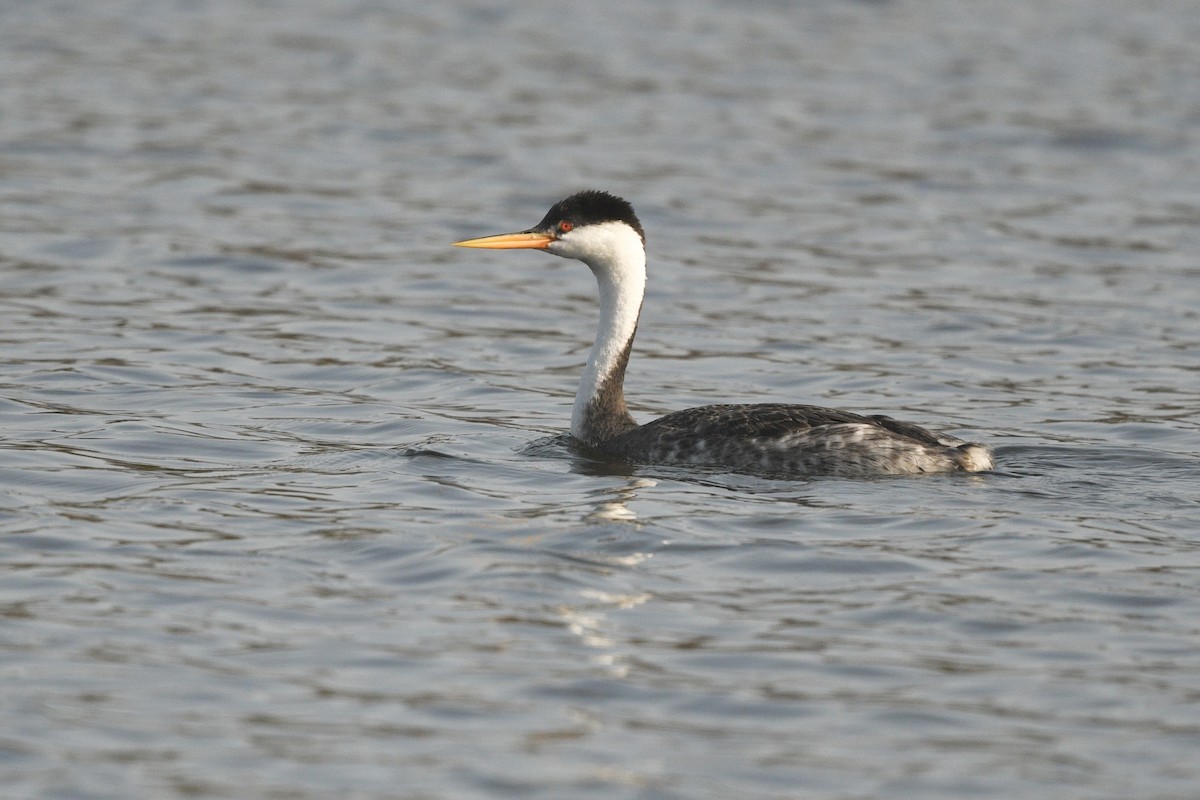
[{"x": 615, "y": 254}]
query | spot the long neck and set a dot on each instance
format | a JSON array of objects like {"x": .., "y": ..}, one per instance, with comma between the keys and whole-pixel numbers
[{"x": 600, "y": 413}]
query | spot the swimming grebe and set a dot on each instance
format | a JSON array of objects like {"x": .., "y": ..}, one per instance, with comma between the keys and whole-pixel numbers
[{"x": 602, "y": 231}]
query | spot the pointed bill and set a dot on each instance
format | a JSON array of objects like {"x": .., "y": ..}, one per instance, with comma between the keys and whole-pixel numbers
[{"x": 510, "y": 241}]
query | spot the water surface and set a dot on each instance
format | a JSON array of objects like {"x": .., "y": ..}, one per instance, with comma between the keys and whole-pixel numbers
[{"x": 282, "y": 507}]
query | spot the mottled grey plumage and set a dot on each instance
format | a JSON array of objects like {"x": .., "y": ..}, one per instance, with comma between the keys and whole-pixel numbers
[
  {"x": 781, "y": 439},
  {"x": 771, "y": 438}
]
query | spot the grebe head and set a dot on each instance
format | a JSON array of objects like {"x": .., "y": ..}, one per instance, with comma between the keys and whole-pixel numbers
[{"x": 595, "y": 227}]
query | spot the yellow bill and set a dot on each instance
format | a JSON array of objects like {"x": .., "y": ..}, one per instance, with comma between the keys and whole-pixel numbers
[{"x": 510, "y": 241}]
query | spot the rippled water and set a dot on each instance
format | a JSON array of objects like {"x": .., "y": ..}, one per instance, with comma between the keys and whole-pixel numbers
[{"x": 283, "y": 507}]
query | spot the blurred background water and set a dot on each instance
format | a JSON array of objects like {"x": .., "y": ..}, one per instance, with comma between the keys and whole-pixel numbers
[{"x": 282, "y": 510}]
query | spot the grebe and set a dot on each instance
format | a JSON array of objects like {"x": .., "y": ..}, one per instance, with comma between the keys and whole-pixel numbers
[{"x": 602, "y": 231}]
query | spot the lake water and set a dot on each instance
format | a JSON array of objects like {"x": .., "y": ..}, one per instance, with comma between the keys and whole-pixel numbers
[{"x": 284, "y": 510}]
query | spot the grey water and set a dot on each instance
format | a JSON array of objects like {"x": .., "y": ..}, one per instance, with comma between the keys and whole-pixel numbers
[{"x": 285, "y": 510}]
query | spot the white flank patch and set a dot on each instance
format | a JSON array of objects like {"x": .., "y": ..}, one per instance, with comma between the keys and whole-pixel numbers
[{"x": 977, "y": 458}]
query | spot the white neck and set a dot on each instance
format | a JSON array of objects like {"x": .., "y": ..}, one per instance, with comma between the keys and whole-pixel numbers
[{"x": 617, "y": 258}]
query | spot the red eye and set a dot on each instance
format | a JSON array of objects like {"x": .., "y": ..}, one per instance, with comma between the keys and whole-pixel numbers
[{"x": 565, "y": 226}]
